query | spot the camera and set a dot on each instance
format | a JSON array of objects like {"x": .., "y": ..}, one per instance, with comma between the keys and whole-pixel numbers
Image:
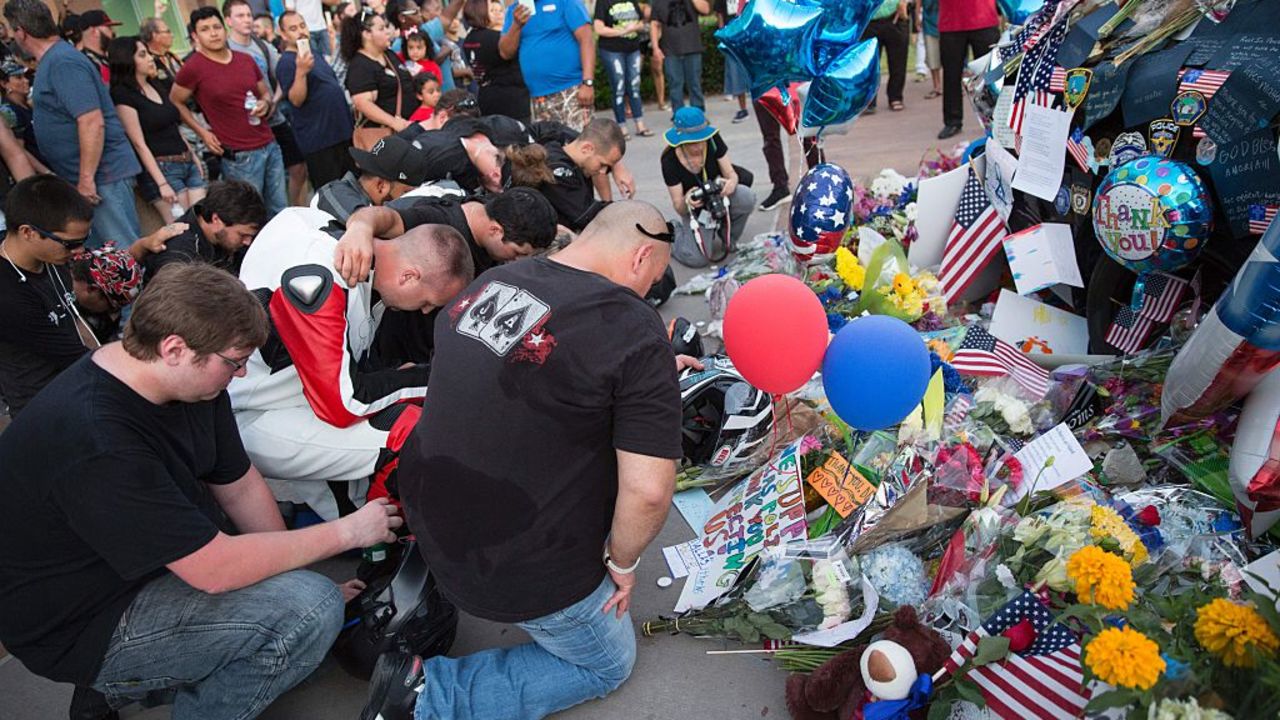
[{"x": 710, "y": 220}]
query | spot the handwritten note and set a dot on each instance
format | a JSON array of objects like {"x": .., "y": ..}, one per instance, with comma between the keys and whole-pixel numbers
[
  {"x": 1245, "y": 103},
  {"x": 1044, "y": 147},
  {"x": 1036, "y": 328},
  {"x": 841, "y": 485},
  {"x": 1152, "y": 83},
  {"x": 1242, "y": 49},
  {"x": 1105, "y": 92},
  {"x": 1041, "y": 256},
  {"x": 1070, "y": 461},
  {"x": 1244, "y": 173},
  {"x": 1000, "y": 129}
]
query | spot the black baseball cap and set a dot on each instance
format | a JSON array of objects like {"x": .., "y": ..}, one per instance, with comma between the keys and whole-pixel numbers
[
  {"x": 96, "y": 18},
  {"x": 393, "y": 158}
]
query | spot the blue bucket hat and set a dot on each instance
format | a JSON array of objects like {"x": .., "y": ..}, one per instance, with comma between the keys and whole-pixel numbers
[{"x": 689, "y": 126}]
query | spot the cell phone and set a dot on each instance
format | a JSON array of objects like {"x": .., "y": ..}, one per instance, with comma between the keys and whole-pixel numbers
[
  {"x": 304, "y": 47},
  {"x": 528, "y": 5}
]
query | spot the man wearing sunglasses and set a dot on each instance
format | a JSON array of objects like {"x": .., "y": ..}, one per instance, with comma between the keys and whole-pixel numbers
[
  {"x": 553, "y": 400},
  {"x": 42, "y": 334}
]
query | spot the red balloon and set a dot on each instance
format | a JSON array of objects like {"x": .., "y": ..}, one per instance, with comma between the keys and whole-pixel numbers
[
  {"x": 775, "y": 332},
  {"x": 788, "y": 114}
]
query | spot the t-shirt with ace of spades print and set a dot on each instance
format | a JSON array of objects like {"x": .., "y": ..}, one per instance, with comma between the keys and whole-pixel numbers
[{"x": 541, "y": 372}]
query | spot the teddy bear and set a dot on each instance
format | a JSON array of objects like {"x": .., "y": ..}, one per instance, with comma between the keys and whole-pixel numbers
[{"x": 882, "y": 670}]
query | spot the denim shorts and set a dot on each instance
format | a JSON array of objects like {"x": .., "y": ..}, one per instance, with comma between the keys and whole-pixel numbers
[{"x": 182, "y": 175}]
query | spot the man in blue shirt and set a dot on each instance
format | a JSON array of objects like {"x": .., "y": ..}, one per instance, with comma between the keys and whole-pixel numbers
[
  {"x": 321, "y": 119},
  {"x": 76, "y": 124},
  {"x": 557, "y": 57}
]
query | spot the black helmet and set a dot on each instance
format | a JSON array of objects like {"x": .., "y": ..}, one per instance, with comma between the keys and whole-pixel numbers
[
  {"x": 684, "y": 337},
  {"x": 724, "y": 418},
  {"x": 403, "y": 610},
  {"x": 661, "y": 290}
]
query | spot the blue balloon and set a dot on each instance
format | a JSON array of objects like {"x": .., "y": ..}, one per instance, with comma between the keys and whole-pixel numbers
[
  {"x": 875, "y": 372},
  {"x": 1017, "y": 11},
  {"x": 773, "y": 40},
  {"x": 843, "y": 22},
  {"x": 846, "y": 87}
]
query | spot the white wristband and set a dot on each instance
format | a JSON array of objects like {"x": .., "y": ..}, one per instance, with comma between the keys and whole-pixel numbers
[{"x": 609, "y": 563}]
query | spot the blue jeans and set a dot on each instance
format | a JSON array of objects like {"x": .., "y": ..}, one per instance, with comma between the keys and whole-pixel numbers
[
  {"x": 220, "y": 657},
  {"x": 182, "y": 175},
  {"x": 320, "y": 42},
  {"x": 577, "y": 654},
  {"x": 736, "y": 79},
  {"x": 684, "y": 71},
  {"x": 624, "y": 78},
  {"x": 262, "y": 168},
  {"x": 115, "y": 218}
]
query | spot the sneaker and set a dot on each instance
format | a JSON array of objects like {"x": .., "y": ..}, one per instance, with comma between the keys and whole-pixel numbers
[
  {"x": 397, "y": 682},
  {"x": 740, "y": 116},
  {"x": 779, "y": 196}
]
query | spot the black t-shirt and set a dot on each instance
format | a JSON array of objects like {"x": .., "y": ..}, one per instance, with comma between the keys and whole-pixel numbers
[
  {"x": 616, "y": 14},
  {"x": 541, "y": 372},
  {"x": 99, "y": 490},
  {"x": 38, "y": 337},
  {"x": 572, "y": 195},
  {"x": 159, "y": 120},
  {"x": 442, "y": 211},
  {"x": 681, "y": 34},
  {"x": 675, "y": 173},
  {"x": 365, "y": 74},
  {"x": 446, "y": 156},
  {"x": 193, "y": 246},
  {"x": 490, "y": 68}
]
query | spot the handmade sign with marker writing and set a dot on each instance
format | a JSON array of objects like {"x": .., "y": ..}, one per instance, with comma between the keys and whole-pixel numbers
[
  {"x": 1244, "y": 174},
  {"x": 841, "y": 485}
]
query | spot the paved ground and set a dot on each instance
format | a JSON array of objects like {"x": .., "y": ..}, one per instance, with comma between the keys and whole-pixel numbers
[{"x": 674, "y": 678}]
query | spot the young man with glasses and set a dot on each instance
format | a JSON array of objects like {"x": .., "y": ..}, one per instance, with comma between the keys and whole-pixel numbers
[
  {"x": 41, "y": 333},
  {"x": 141, "y": 553}
]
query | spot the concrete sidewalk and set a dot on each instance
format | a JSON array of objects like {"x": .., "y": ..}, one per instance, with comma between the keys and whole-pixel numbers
[{"x": 674, "y": 677}]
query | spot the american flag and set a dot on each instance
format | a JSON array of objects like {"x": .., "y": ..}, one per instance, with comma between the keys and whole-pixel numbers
[
  {"x": 1044, "y": 681},
  {"x": 1160, "y": 298},
  {"x": 958, "y": 411},
  {"x": 1206, "y": 82},
  {"x": 1075, "y": 146},
  {"x": 1035, "y": 74},
  {"x": 1058, "y": 80},
  {"x": 975, "y": 239},
  {"x": 982, "y": 353},
  {"x": 1260, "y": 217}
]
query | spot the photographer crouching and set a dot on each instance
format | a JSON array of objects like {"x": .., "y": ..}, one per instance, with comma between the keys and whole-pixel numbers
[{"x": 711, "y": 195}]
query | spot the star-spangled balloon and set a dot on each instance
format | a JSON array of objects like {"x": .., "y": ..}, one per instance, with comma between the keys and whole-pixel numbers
[
  {"x": 773, "y": 40},
  {"x": 820, "y": 210}
]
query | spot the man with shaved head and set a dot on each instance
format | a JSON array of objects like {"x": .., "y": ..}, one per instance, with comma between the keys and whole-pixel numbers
[
  {"x": 543, "y": 469},
  {"x": 319, "y": 414}
]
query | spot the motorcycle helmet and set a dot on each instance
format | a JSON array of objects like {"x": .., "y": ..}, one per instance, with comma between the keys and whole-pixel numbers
[
  {"x": 401, "y": 611},
  {"x": 725, "y": 419}
]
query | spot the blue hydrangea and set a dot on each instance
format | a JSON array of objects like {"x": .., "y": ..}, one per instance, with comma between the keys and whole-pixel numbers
[{"x": 897, "y": 574}]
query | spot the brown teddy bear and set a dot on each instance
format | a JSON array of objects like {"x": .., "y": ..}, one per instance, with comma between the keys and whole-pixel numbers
[{"x": 837, "y": 690}]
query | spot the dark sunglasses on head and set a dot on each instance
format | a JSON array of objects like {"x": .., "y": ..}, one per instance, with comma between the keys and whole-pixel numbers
[
  {"x": 72, "y": 245},
  {"x": 667, "y": 237}
]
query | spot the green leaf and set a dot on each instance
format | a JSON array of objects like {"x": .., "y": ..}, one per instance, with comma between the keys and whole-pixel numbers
[
  {"x": 991, "y": 649},
  {"x": 775, "y": 631},
  {"x": 969, "y": 691},
  {"x": 1111, "y": 699}
]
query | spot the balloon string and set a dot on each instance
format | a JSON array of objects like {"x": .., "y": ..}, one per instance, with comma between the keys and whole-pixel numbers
[{"x": 773, "y": 439}]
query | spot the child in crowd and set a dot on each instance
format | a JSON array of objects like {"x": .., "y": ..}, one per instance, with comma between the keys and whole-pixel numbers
[
  {"x": 416, "y": 51},
  {"x": 427, "y": 87},
  {"x": 462, "y": 75}
]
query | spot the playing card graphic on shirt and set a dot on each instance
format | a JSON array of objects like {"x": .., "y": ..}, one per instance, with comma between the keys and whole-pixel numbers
[{"x": 501, "y": 315}]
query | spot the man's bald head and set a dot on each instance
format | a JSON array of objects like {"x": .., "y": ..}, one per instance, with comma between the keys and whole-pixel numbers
[
  {"x": 423, "y": 269},
  {"x": 616, "y": 224}
]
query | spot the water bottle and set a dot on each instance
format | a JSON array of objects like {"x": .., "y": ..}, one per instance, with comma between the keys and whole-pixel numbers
[
  {"x": 177, "y": 211},
  {"x": 251, "y": 104},
  {"x": 375, "y": 554}
]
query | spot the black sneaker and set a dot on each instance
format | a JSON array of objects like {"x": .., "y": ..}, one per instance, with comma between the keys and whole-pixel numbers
[
  {"x": 779, "y": 196},
  {"x": 395, "y": 686},
  {"x": 740, "y": 116}
]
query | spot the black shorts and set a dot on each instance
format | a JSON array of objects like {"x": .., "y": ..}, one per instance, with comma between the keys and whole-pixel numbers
[{"x": 288, "y": 144}]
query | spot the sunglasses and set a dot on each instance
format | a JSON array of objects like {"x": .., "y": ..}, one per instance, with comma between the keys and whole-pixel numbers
[
  {"x": 667, "y": 237},
  {"x": 71, "y": 245},
  {"x": 235, "y": 365}
]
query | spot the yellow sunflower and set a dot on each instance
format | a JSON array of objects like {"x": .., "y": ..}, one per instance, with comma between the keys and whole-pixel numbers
[
  {"x": 1124, "y": 657},
  {"x": 1101, "y": 578},
  {"x": 1235, "y": 633}
]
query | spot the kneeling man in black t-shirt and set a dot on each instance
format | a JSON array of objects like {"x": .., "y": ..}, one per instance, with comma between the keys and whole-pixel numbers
[
  {"x": 543, "y": 468},
  {"x": 140, "y": 551}
]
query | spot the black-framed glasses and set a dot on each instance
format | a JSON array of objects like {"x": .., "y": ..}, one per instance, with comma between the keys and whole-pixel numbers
[
  {"x": 667, "y": 237},
  {"x": 71, "y": 245},
  {"x": 235, "y": 365}
]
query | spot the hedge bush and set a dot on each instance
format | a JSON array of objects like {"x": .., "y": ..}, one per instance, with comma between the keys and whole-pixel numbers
[{"x": 712, "y": 72}]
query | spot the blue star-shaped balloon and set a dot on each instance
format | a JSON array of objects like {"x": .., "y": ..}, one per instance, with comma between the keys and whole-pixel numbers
[
  {"x": 773, "y": 40},
  {"x": 845, "y": 87},
  {"x": 843, "y": 22}
]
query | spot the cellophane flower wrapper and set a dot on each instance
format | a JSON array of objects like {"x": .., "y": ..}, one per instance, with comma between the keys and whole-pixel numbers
[{"x": 963, "y": 582}]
